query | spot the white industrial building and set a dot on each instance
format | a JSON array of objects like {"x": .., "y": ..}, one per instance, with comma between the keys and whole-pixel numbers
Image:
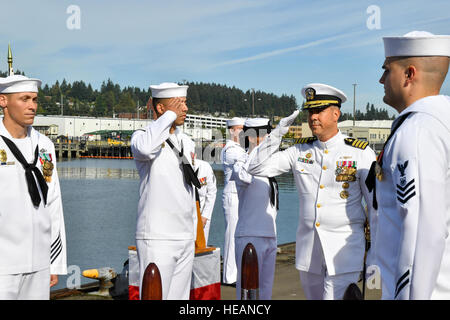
[{"x": 198, "y": 127}]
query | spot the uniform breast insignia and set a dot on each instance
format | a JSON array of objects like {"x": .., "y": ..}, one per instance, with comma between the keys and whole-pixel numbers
[
  {"x": 202, "y": 181},
  {"x": 47, "y": 165},
  {"x": 305, "y": 140},
  {"x": 360, "y": 144},
  {"x": 346, "y": 171},
  {"x": 405, "y": 189},
  {"x": 3, "y": 156},
  {"x": 306, "y": 159}
]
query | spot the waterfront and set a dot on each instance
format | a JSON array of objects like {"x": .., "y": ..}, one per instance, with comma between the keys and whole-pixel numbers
[{"x": 100, "y": 199}]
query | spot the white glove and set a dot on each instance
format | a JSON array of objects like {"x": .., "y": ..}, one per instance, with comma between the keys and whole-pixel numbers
[{"x": 286, "y": 122}]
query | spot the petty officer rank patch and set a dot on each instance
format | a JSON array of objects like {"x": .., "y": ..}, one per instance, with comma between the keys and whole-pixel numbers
[
  {"x": 346, "y": 171},
  {"x": 405, "y": 181},
  {"x": 4, "y": 158},
  {"x": 360, "y": 144},
  {"x": 45, "y": 159}
]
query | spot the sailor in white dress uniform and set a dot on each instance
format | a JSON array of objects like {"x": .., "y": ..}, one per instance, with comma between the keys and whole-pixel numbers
[
  {"x": 32, "y": 233},
  {"x": 330, "y": 171},
  {"x": 232, "y": 151},
  {"x": 412, "y": 174},
  {"x": 258, "y": 205},
  {"x": 166, "y": 220}
]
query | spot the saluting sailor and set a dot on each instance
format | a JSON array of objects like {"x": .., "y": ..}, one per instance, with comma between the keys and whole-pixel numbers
[
  {"x": 258, "y": 205},
  {"x": 166, "y": 220},
  {"x": 329, "y": 170},
  {"x": 32, "y": 234},
  {"x": 207, "y": 192},
  {"x": 230, "y": 203},
  {"x": 412, "y": 174}
]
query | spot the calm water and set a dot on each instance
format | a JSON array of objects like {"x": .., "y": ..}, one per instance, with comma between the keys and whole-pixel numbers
[{"x": 100, "y": 199}]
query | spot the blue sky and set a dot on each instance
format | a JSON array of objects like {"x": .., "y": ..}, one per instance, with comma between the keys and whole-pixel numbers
[{"x": 274, "y": 46}]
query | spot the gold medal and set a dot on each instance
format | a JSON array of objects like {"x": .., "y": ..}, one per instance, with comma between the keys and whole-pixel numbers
[
  {"x": 345, "y": 185},
  {"x": 344, "y": 194},
  {"x": 48, "y": 165},
  {"x": 378, "y": 172},
  {"x": 47, "y": 170},
  {"x": 3, "y": 156},
  {"x": 308, "y": 155}
]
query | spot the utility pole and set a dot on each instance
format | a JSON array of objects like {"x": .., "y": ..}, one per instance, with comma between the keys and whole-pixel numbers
[
  {"x": 138, "y": 109},
  {"x": 10, "y": 62},
  {"x": 354, "y": 104},
  {"x": 62, "y": 106},
  {"x": 253, "y": 101}
]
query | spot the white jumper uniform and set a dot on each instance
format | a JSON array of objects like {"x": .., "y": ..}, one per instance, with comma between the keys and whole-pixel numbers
[
  {"x": 165, "y": 231},
  {"x": 32, "y": 239},
  {"x": 230, "y": 203},
  {"x": 256, "y": 225},
  {"x": 412, "y": 242},
  {"x": 330, "y": 179},
  {"x": 207, "y": 193}
]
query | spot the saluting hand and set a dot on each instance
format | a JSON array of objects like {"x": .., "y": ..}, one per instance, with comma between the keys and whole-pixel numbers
[
  {"x": 286, "y": 122},
  {"x": 177, "y": 105}
]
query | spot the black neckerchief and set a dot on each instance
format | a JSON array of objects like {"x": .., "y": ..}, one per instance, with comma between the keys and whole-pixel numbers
[
  {"x": 30, "y": 168},
  {"x": 371, "y": 177},
  {"x": 188, "y": 173},
  {"x": 274, "y": 199}
]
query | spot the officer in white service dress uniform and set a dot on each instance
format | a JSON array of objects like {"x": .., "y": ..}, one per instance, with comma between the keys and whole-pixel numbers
[
  {"x": 412, "y": 174},
  {"x": 166, "y": 221},
  {"x": 330, "y": 171},
  {"x": 258, "y": 204},
  {"x": 32, "y": 233},
  {"x": 207, "y": 192},
  {"x": 232, "y": 151}
]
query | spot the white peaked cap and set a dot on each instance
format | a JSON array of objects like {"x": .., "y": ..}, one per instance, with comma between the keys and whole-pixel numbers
[
  {"x": 319, "y": 95},
  {"x": 256, "y": 122},
  {"x": 168, "y": 90},
  {"x": 19, "y": 83},
  {"x": 235, "y": 122},
  {"x": 417, "y": 44}
]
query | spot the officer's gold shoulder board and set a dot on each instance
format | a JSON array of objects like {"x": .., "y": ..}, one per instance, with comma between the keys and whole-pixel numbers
[
  {"x": 305, "y": 140},
  {"x": 360, "y": 144}
]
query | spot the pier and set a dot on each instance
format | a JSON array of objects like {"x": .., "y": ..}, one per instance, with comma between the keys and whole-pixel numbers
[{"x": 93, "y": 149}]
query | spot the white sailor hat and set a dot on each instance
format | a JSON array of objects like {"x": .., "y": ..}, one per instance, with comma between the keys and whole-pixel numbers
[
  {"x": 168, "y": 90},
  {"x": 257, "y": 124},
  {"x": 417, "y": 44},
  {"x": 235, "y": 122},
  {"x": 320, "y": 95},
  {"x": 19, "y": 83}
]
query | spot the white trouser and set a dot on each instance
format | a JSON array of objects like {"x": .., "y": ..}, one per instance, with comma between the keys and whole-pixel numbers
[
  {"x": 325, "y": 287},
  {"x": 174, "y": 259},
  {"x": 25, "y": 286},
  {"x": 266, "y": 251},
  {"x": 230, "y": 209}
]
